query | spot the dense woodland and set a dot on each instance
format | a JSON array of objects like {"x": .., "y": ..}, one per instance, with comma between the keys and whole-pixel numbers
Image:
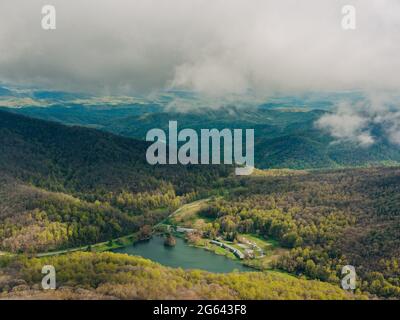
[
  {"x": 69, "y": 186},
  {"x": 285, "y": 133},
  {"x": 328, "y": 219},
  {"x": 63, "y": 187},
  {"x": 110, "y": 276},
  {"x": 88, "y": 162}
]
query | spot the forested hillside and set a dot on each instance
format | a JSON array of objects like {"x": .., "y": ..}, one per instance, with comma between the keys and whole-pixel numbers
[
  {"x": 285, "y": 137},
  {"x": 69, "y": 186},
  {"x": 64, "y": 187},
  {"x": 327, "y": 220},
  {"x": 77, "y": 159},
  {"x": 111, "y": 276}
]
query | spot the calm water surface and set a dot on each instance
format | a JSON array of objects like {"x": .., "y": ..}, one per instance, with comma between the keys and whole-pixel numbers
[{"x": 182, "y": 255}]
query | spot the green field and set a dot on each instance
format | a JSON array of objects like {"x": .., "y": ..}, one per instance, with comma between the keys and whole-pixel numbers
[{"x": 187, "y": 215}]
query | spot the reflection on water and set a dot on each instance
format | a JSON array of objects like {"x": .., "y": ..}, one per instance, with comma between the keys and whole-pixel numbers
[{"x": 182, "y": 255}]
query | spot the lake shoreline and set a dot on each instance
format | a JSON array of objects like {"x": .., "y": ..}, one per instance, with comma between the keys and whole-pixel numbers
[{"x": 183, "y": 255}]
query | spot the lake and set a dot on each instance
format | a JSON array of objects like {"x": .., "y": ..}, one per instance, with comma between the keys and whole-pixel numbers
[{"x": 182, "y": 255}]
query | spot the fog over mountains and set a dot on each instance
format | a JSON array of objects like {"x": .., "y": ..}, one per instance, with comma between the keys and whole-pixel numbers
[
  {"x": 217, "y": 48},
  {"x": 77, "y": 187},
  {"x": 308, "y": 131},
  {"x": 226, "y": 53}
]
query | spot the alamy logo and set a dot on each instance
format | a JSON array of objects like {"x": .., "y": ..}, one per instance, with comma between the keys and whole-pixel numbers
[
  {"x": 349, "y": 17},
  {"x": 349, "y": 280},
  {"x": 49, "y": 17},
  {"x": 188, "y": 152},
  {"x": 49, "y": 280}
]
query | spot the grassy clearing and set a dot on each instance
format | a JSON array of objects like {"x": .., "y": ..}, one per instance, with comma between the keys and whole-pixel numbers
[
  {"x": 278, "y": 172},
  {"x": 207, "y": 245},
  {"x": 271, "y": 248},
  {"x": 265, "y": 263},
  {"x": 265, "y": 244},
  {"x": 98, "y": 247},
  {"x": 187, "y": 215}
]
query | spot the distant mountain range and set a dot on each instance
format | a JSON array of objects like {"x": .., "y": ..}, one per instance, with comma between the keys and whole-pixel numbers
[
  {"x": 285, "y": 131},
  {"x": 65, "y": 187},
  {"x": 83, "y": 160}
]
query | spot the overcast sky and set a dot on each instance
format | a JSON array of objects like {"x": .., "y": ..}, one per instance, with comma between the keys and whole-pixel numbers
[
  {"x": 211, "y": 46},
  {"x": 219, "y": 48}
]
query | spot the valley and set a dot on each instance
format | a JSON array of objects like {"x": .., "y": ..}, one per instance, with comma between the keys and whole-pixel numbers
[
  {"x": 77, "y": 188},
  {"x": 286, "y": 134},
  {"x": 199, "y": 150}
]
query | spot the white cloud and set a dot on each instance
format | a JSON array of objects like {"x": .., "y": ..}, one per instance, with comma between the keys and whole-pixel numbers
[
  {"x": 356, "y": 121},
  {"x": 216, "y": 47},
  {"x": 345, "y": 126}
]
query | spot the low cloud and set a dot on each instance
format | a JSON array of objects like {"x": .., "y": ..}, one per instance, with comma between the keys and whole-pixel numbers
[
  {"x": 365, "y": 122},
  {"x": 213, "y": 47}
]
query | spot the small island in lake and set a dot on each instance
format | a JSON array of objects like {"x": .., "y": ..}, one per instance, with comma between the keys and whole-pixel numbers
[{"x": 170, "y": 240}]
